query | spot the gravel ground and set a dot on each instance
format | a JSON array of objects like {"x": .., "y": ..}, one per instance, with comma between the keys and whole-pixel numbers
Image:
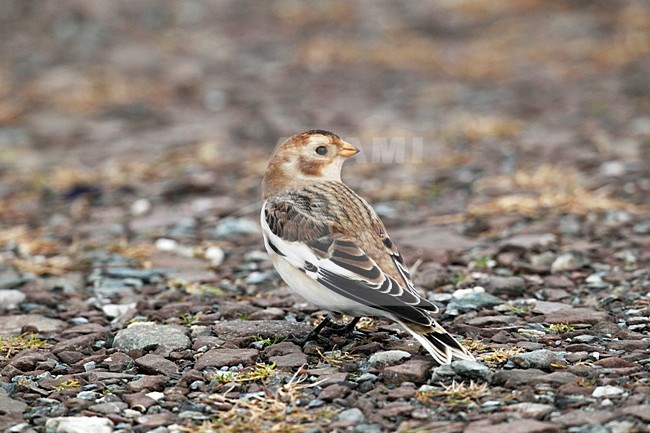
[{"x": 134, "y": 293}]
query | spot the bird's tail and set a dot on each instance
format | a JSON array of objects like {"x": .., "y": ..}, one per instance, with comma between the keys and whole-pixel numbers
[{"x": 439, "y": 343}]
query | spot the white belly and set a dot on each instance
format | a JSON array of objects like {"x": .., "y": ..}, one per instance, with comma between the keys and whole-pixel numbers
[{"x": 317, "y": 294}]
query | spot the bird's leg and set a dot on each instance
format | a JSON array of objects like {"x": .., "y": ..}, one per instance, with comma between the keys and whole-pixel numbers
[
  {"x": 344, "y": 328},
  {"x": 313, "y": 334},
  {"x": 350, "y": 326}
]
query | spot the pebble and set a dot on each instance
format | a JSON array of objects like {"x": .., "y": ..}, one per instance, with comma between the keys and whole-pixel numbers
[
  {"x": 529, "y": 241},
  {"x": 223, "y": 357},
  {"x": 544, "y": 260},
  {"x": 539, "y": 359},
  {"x": 229, "y": 227},
  {"x": 81, "y": 424},
  {"x": 140, "y": 207},
  {"x": 388, "y": 356},
  {"x": 10, "y": 409},
  {"x": 147, "y": 335},
  {"x": 472, "y": 370},
  {"x": 230, "y": 330},
  {"x": 165, "y": 244},
  {"x": 607, "y": 391},
  {"x": 367, "y": 377},
  {"x": 215, "y": 255},
  {"x": 471, "y": 302},
  {"x": 415, "y": 371},
  {"x": 156, "y": 364},
  {"x": 535, "y": 410},
  {"x": 155, "y": 395},
  {"x": 256, "y": 256},
  {"x": 569, "y": 261},
  {"x": 113, "y": 311},
  {"x": 259, "y": 277},
  {"x": 11, "y": 325},
  {"x": 11, "y": 299},
  {"x": 510, "y": 286},
  {"x": 353, "y": 416}
]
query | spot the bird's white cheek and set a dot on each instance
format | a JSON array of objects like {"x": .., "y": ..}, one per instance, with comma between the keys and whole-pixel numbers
[{"x": 333, "y": 170}]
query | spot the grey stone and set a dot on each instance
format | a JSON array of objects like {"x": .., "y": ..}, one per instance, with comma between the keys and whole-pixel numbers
[
  {"x": 10, "y": 279},
  {"x": 472, "y": 302},
  {"x": 240, "y": 329},
  {"x": 642, "y": 228},
  {"x": 366, "y": 377},
  {"x": 353, "y": 416},
  {"x": 388, "y": 356},
  {"x": 81, "y": 424},
  {"x": 11, "y": 299},
  {"x": 516, "y": 377},
  {"x": 148, "y": 335},
  {"x": 535, "y": 410},
  {"x": 12, "y": 325},
  {"x": 146, "y": 275},
  {"x": 529, "y": 241},
  {"x": 228, "y": 227},
  {"x": 543, "y": 260},
  {"x": 108, "y": 408},
  {"x": 568, "y": 261},
  {"x": 511, "y": 286},
  {"x": 442, "y": 373},
  {"x": 472, "y": 370},
  {"x": 540, "y": 359}
]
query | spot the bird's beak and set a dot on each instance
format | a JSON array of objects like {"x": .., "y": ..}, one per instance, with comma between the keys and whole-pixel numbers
[{"x": 348, "y": 150}]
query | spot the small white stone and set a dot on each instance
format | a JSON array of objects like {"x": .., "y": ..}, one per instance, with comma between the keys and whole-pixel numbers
[
  {"x": 215, "y": 254},
  {"x": 80, "y": 424},
  {"x": 462, "y": 293},
  {"x": 155, "y": 395},
  {"x": 164, "y": 244},
  {"x": 10, "y": 299},
  {"x": 140, "y": 207},
  {"x": 388, "y": 356},
  {"x": 607, "y": 391},
  {"x": 565, "y": 262},
  {"x": 117, "y": 310}
]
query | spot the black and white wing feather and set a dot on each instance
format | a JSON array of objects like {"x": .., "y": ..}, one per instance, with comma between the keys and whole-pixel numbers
[{"x": 314, "y": 241}]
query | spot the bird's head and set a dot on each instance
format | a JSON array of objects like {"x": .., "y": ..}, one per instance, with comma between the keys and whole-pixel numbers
[{"x": 309, "y": 155}]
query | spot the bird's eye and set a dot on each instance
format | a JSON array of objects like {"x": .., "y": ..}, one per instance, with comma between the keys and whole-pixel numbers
[{"x": 321, "y": 150}]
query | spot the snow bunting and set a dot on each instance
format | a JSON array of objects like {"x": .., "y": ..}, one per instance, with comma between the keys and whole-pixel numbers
[{"x": 331, "y": 248}]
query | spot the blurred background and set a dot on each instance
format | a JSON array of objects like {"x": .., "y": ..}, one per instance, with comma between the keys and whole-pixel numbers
[{"x": 154, "y": 118}]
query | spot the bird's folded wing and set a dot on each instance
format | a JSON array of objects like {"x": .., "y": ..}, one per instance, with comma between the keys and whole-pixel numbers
[{"x": 315, "y": 247}]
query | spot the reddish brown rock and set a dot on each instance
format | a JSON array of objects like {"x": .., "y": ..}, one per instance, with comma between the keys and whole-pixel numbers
[
  {"x": 222, "y": 357},
  {"x": 155, "y": 364},
  {"x": 415, "y": 370}
]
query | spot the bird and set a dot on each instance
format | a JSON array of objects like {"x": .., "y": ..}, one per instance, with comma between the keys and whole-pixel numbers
[{"x": 330, "y": 246}]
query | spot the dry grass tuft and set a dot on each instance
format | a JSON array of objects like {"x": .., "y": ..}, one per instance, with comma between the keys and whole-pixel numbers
[
  {"x": 547, "y": 188},
  {"x": 12, "y": 345},
  {"x": 276, "y": 412},
  {"x": 455, "y": 394},
  {"x": 259, "y": 372},
  {"x": 336, "y": 357},
  {"x": 39, "y": 265},
  {"x": 475, "y": 345},
  {"x": 500, "y": 356}
]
